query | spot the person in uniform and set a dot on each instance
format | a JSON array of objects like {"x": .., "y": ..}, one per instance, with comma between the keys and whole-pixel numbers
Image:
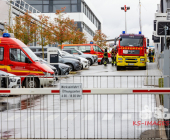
[
  {"x": 105, "y": 56},
  {"x": 150, "y": 56},
  {"x": 113, "y": 56}
]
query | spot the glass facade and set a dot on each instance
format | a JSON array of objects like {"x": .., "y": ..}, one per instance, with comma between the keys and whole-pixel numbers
[
  {"x": 50, "y": 6},
  {"x": 88, "y": 12}
]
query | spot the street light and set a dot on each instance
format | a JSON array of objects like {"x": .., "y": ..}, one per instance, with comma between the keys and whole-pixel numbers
[{"x": 125, "y": 9}]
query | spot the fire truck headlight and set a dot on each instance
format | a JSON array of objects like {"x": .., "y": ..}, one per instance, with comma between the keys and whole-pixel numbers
[
  {"x": 142, "y": 59},
  {"x": 120, "y": 59}
]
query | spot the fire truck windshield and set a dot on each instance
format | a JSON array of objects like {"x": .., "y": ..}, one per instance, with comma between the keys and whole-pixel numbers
[{"x": 131, "y": 41}]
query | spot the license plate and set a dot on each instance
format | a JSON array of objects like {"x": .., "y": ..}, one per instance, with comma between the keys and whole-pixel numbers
[{"x": 131, "y": 64}]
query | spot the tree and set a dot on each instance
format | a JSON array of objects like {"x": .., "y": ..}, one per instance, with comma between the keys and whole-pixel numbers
[
  {"x": 45, "y": 32},
  {"x": 78, "y": 38},
  {"x": 99, "y": 36},
  {"x": 64, "y": 28},
  {"x": 24, "y": 29}
]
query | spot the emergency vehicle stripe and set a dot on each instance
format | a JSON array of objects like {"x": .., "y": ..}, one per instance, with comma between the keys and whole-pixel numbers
[
  {"x": 8, "y": 68},
  {"x": 137, "y": 91}
]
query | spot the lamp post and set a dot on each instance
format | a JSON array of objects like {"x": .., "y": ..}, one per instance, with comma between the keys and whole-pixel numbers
[{"x": 125, "y": 9}]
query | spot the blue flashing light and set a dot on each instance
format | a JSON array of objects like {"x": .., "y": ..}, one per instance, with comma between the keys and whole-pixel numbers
[
  {"x": 123, "y": 32},
  {"x": 140, "y": 32},
  {"x": 91, "y": 42},
  {"x": 6, "y": 35}
]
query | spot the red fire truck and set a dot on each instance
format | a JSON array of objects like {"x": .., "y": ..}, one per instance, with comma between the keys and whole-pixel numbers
[{"x": 131, "y": 51}]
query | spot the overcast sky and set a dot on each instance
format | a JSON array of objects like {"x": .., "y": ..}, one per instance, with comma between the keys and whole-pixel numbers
[{"x": 114, "y": 18}]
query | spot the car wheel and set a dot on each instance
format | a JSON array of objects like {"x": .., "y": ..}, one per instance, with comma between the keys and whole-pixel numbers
[
  {"x": 90, "y": 61},
  {"x": 32, "y": 83},
  {"x": 59, "y": 72},
  {"x": 71, "y": 67},
  {"x": 102, "y": 61}
]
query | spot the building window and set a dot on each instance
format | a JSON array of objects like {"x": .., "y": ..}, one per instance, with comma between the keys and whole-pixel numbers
[
  {"x": 46, "y": 2},
  {"x": 58, "y": 7},
  {"x": 45, "y": 8},
  {"x": 74, "y": 8},
  {"x": 38, "y": 7},
  {"x": 62, "y": 2},
  {"x": 73, "y": 1},
  {"x": 33, "y": 1}
]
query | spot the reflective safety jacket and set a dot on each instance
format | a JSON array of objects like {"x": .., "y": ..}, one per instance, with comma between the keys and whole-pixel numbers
[
  {"x": 113, "y": 53},
  {"x": 105, "y": 55}
]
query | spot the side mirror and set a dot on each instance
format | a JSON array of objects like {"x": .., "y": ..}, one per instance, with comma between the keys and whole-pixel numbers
[{"x": 27, "y": 60}]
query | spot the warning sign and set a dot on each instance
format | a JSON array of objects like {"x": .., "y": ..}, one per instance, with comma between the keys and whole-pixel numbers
[{"x": 71, "y": 91}]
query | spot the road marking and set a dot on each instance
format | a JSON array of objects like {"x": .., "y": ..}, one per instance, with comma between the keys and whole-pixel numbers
[
  {"x": 52, "y": 117},
  {"x": 109, "y": 117},
  {"x": 88, "y": 117},
  {"x": 126, "y": 116},
  {"x": 70, "y": 117},
  {"x": 13, "y": 117},
  {"x": 33, "y": 117}
]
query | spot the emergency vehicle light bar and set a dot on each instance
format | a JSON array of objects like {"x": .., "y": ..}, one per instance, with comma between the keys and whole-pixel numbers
[{"x": 6, "y": 35}]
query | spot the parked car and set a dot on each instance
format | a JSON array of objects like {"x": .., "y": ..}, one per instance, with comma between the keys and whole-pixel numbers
[
  {"x": 63, "y": 68},
  {"x": 92, "y": 58},
  {"x": 91, "y": 48},
  {"x": 85, "y": 63},
  {"x": 21, "y": 61},
  {"x": 13, "y": 80},
  {"x": 73, "y": 63},
  {"x": 52, "y": 67}
]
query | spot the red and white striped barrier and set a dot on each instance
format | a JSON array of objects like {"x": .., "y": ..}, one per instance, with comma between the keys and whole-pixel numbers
[{"x": 24, "y": 91}]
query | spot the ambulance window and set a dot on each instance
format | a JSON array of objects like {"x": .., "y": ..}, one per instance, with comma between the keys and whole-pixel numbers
[
  {"x": 1, "y": 53},
  {"x": 100, "y": 50},
  {"x": 17, "y": 55},
  {"x": 97, "y": 49},
  {"x": 84, "y": 48}
]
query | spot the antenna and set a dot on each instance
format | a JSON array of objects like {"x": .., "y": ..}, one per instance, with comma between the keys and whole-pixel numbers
[{"x": 140, "y": 24}]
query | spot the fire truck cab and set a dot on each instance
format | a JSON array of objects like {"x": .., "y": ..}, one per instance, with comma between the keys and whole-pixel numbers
[{"x": 131, "y": 51}]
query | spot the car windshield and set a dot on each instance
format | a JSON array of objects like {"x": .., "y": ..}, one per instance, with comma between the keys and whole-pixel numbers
[
  {"x": 79, "y": 52},
  {"x": 31, "y": 54},
  {"x": 131, "y": 41},
  {"x": 65, "y": 53}
]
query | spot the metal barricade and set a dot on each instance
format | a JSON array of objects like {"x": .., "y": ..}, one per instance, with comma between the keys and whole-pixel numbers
[
  {"x": 101, "y": 114},
  {"x": 90, "y": 81}
]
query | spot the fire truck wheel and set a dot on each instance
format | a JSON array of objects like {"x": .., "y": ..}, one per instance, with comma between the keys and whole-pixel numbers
[
  {"x": 31, "y": 83},
  {"x": 144, "y": 68},
  {"x": 118, "y": 68}
]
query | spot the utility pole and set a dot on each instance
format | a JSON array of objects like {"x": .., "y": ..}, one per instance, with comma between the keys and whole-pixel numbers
[
  {"x": 125, "y": 9},
  {"x": 140, "y": 23}
]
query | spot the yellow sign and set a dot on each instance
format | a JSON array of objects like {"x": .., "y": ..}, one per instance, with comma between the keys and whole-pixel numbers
[{"x": 131, "y": 48}]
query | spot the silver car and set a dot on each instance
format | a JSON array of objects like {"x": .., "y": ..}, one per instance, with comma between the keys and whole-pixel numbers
[{"x": 92, "y": 58}]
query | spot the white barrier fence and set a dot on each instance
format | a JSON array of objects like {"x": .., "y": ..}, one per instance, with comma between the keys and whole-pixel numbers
[
  {"x": 100, "y": 114},
  {"x": 87, "y": 81}
]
